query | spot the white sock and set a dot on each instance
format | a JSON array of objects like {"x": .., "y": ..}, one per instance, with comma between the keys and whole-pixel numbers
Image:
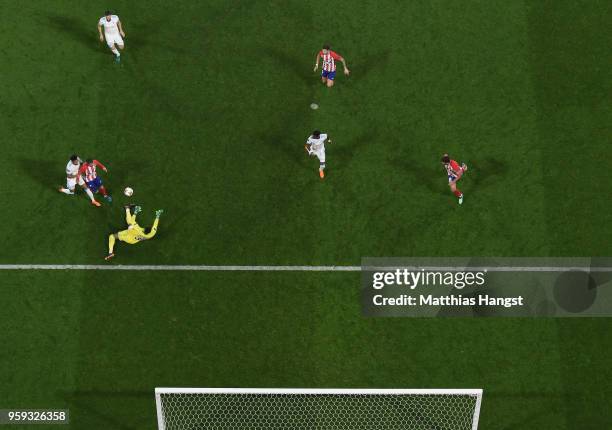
[
  {"x": 89, "y": 194},
  {"x": 116, "y": 51}
]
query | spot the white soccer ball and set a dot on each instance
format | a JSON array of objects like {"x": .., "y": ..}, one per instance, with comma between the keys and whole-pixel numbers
[{"x": 128, "y": 191}]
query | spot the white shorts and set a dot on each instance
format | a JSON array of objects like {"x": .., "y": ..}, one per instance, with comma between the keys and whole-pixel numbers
[
  {"x": 320, "y": 155},
  {"x": 71, "y": 182},
  {"x": 112, "y": 39}
]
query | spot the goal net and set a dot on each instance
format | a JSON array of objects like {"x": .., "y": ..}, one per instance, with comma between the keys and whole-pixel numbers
[{"x": 319, "y": 409}]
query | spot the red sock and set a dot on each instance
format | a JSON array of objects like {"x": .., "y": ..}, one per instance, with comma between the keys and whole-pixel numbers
[
  {"x": 103, "y": 191},
  {"x": 457, "y": 193}
]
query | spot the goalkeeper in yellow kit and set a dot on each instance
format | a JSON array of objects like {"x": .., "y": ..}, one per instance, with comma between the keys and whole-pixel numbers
[{"x": 134, "y": 233}]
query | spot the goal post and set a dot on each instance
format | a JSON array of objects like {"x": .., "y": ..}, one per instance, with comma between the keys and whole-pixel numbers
[{"x": 319, "y": 409}]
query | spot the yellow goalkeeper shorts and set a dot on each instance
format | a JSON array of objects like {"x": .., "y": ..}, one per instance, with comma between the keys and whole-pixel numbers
[{"x": 128, "y": 236}]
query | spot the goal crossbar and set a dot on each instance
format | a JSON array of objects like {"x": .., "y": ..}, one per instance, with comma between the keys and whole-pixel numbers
[
  {"x": 391, "y": 391},
  {"x": 161, "y": 393}
]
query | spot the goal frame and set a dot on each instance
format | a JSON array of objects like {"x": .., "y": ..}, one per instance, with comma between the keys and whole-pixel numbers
[{"x": 330, "y": 391}]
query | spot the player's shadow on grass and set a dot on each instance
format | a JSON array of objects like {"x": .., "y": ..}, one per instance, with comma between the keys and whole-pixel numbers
[
  {"x": 43, "y": 172},
  {"x": 364, "y": 66},
  {"x": 277, "y": 142},
  {"x": 299, "y": 67},
  {"x": 76, "y": 30},
  {"x": 431, "y": 176},
  {"x": 486, "y": 171}
]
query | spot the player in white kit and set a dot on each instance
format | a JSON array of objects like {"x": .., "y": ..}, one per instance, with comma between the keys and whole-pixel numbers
[
  {"x": 73, "y": 177},
  {"x": 315, "y": 145},
  {"x": 113, "y": 33}
]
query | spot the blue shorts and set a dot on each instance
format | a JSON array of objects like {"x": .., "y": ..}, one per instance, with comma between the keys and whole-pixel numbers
[
  {"x": 95, "y": 185},
  {"x": 328, "y": 75}
]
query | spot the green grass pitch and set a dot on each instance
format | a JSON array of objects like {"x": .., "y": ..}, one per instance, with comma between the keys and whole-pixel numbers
[{"x": 206, "y": 117}]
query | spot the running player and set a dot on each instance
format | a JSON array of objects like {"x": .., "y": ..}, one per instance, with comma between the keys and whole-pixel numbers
[
  {"x": 113, "y": 33},
  {"x": 454, "y": 172},
  {"x": 134, "y": 233},
  {"x": 315, "y": 145},
  {"x": 73, "y": 177},
  {"x": 328, "y": 68},
  {"x": 92, "y": 180}
]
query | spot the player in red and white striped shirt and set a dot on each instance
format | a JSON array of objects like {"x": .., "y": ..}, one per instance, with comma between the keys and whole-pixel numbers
[
  {"x": 92, "y": 180},
  {"x": 454, "y": 172},
  {"x": 73, "y": 177},
  {"x": 328, "y": 67}
]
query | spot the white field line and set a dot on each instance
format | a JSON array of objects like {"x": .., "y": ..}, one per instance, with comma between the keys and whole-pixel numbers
[
  {"x": 178, "y": 268},
  {"x": 203, "y": 268}
]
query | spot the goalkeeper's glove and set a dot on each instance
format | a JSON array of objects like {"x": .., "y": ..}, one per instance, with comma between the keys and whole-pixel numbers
[
  {"x": 158, "y": 213},
  {"x": 137, "y": 209}
]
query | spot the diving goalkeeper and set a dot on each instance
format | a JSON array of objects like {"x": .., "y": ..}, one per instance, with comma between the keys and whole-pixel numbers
[{"x": 134, "y": 233}]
